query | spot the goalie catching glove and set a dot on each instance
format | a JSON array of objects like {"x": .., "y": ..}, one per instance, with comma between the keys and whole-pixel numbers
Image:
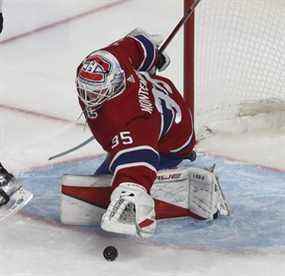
[{"x": 131, "y": 211}]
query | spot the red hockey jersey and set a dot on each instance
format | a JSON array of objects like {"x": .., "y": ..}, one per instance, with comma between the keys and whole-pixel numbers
[{"x": 148, "y": 119}]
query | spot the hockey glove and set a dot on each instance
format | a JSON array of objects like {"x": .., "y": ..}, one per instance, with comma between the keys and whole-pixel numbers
[{"x": 163, "y": 61}]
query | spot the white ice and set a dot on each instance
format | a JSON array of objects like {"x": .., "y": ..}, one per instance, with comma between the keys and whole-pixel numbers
[{"x": 37, "y": 74}]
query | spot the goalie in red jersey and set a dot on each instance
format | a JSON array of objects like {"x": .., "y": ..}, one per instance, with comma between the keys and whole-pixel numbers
[{"x": 141, "y": 121}]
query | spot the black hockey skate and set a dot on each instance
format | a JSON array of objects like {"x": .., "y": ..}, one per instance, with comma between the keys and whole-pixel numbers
[
  {"x": 5, "y": 190},
  {"x": 13, "y": 196}
]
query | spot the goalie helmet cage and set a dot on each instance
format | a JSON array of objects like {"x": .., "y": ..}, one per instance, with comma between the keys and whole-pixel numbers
[{"x": 234, "y": 59}]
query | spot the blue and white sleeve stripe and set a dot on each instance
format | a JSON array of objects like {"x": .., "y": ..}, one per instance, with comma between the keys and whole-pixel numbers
[
  {"x": 136, "y": 156},
  {"x": 188, "y": 141},
  {"x": 149, "y": 52}
]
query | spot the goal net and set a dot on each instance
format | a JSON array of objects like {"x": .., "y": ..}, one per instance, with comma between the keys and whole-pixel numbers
[{"x": 239, "y": 62}]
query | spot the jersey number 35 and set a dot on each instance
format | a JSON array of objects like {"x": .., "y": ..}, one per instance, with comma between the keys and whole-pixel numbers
[{"x": 123, "y": 137}]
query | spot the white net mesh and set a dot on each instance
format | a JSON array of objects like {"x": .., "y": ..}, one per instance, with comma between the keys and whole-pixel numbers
[{"x": 240, "y": 59}]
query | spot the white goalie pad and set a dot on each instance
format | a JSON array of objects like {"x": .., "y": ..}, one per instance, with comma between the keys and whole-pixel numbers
[
  {"x": 74, "y": 210},
  {"x": 193, "y": 192},
  {"x": 84, "y": 199},
  {"x": 206, "y": 197}
]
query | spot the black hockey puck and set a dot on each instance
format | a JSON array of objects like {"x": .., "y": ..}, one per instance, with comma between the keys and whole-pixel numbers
[
  {"x": 216, "y": 215},
  {"x": 110, "y": 253}
]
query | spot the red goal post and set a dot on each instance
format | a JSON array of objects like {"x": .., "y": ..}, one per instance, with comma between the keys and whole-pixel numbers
[{"x": 189, "y": 57}]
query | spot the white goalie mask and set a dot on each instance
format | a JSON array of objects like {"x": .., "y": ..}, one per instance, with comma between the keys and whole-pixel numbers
[{"x": 99, "y": 79}]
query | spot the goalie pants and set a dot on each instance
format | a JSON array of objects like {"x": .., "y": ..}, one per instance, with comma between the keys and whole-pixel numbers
[{"x": 167, "y": 161}]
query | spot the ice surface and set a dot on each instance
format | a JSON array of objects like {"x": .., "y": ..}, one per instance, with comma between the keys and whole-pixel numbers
[
  {"x": 37, "y": 74},
  {"x": 250, "y": 241},
  {"x": 256, "y": 196}
]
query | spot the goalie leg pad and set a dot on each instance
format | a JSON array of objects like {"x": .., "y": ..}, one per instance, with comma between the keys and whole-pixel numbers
[
  {"x": 206, "y": 197},
  {"x": 84, "y": 199}
]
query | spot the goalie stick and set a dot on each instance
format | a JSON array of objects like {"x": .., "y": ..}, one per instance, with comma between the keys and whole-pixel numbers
[
  {"x": 182, "y": 21},
  {"x": 87, "y": 141}
]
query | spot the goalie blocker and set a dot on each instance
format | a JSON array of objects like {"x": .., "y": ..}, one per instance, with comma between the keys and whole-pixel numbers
[{"x": 84, "y": 199}]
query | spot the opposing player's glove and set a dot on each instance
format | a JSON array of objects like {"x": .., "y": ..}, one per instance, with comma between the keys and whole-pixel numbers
[{"x": 1, "y": 22}]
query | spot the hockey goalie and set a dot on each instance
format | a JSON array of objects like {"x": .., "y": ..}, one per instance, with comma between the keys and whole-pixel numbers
[{"x": 143, "y": 123}]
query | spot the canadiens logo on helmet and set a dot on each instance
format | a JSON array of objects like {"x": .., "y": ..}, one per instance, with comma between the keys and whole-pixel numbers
[
  {"x": 100, "y": 78},
  {"x": 95, "y": 69}
]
